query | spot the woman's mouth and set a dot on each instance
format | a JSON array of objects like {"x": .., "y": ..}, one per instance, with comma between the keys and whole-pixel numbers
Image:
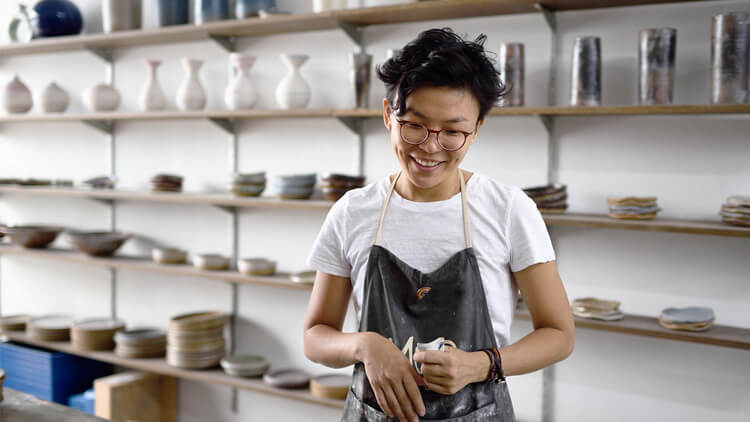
[{"x": 426, "y": 165}]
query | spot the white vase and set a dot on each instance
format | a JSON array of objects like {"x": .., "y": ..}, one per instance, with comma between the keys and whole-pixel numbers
[
  {"x": 101, "y": 97},
  {"x": 17, "y": 97},
  {"x": 152, "y": 96},
  {"x": 240, "y": 93},
  {"x": 54, "y": 99},
  {"x": 190, "y": 94},
  {"x": 293, "y": 91}
]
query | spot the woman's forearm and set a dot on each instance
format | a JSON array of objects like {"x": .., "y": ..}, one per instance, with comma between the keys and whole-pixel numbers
[
  {"x": 543, "y": 347},
  {"x": 332, "y": 348}
]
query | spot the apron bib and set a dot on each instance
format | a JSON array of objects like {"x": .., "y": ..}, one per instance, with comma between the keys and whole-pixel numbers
[{"x": 408, "y": 306}]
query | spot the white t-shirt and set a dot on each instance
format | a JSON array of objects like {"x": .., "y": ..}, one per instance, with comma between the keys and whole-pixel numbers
[{"x": 507, "y": 233}]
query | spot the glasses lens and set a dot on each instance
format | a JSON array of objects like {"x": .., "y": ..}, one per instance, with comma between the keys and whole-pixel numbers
[
  {"x": 451, "y": 139},
  {"x": 413, "y": 133}
]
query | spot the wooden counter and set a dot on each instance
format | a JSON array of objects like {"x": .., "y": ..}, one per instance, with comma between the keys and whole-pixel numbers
[{"x": 22, "y": 407}]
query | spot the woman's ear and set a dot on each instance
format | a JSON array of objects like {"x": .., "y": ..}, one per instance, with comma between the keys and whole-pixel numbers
[{"x": 386, "y": 114}]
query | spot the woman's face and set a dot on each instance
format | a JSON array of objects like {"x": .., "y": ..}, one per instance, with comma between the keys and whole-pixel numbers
[{"x": 430, "y": 170}]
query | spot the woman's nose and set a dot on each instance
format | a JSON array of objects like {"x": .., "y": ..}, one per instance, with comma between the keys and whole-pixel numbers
[{"x": 431, "y": 145}]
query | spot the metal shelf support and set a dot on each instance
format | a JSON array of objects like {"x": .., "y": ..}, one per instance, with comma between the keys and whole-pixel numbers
[
  {"x": 354, "y": 33},
  {"x": 224, "y": 124},
  {"x": 104, "y": 126},
  {"x": 104, "y": 53},
  {"x": 356, "y": 125},
  {"x": 227, "y": 43}
]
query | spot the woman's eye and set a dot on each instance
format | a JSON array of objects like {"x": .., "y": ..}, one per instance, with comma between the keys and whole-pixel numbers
[
  {"x": 413, "y": 126},
  {"x": 452, "y": 132}
]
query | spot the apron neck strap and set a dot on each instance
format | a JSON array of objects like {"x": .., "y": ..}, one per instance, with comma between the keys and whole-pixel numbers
[{"x": 464, "y": 209}]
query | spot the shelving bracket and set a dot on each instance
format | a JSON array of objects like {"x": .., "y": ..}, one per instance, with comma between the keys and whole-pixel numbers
[
  {"x": 353, "y": 123},
  {"x": 227, "y": 208},
  {"x": 104, "y": 53},
  {"x": 549, "y": 16},
  {"x": 105, "y": 126},
  {"x": 224, "y": 124},
  {"x": 227, "y": 43},
  {"x": 548, "y": 122},
  {"x": 353, "y": 32},
  {"x": 104, "y": 201}
]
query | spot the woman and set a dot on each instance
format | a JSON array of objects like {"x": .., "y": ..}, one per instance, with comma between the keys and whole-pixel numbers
[{"x": 435, "y": 252}]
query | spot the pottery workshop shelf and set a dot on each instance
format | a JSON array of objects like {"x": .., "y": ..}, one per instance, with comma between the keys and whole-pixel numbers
[
  {"x": 147, "y": 265},
  {"x": 718, "y": 335},
  {"x": 159, "y": 366},
  {"x": 658, "y": 224}
]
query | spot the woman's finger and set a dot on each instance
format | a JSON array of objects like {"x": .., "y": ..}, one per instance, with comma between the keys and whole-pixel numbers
[
  {"x": 414, "y": 395},
  {"x": 382, "y": 401},
  {"x": 393, "y": 403},
  {"x": 404, "y": 400}
]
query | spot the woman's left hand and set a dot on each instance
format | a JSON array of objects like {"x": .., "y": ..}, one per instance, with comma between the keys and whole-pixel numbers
[{"x": 449, "y": 371}]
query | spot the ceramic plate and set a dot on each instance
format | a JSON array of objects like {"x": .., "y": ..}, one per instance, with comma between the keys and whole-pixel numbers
[
  {"x": 98, "y": 324},
  {"x": 688, "y": 315},
  {"x": 287, "y": 378},
  {"x": 52, "y": 322}
]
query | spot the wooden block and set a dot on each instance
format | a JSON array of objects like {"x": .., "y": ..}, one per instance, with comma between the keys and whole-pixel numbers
[{"x": 136, "y": 396}]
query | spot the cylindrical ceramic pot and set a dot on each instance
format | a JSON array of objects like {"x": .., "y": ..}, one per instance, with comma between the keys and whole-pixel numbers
[
  {"x": 101, "y": 97},
  {"x": 249, "y": 8},
  {"x": 586, "y": 72},
  {"x": 656, "y": 55},
  {"x": 152, "y": 97},
  {"x": 240, "y": 93},
  {"x": 17, "y": 97},
  {"x": 729, "y": 58},
  {"x": 121, "y": 15},
  {"x": 210, "y": 11},
  {"x": 511, "y": 65},
  {"x": 54, "y": 99},
  {"x": 360, "y": 77},
  {"x": 171, "y": 12},
  {"x": 190, "y": 94},
  {"x": 293, "y": 91},
  {"x": 57, "y": 18}
]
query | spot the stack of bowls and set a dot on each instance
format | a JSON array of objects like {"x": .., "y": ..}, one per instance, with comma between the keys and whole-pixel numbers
[
  {"x": 101, "y": 182},
  {"x": 196, "y": 340},
  {"x": 166, "y": 183},
  {"x": 96, "y": 243},
  {"x": 334, "y": 186},
  {"x": 169, "y": 255},
  {"x": 736, "y": 211},
  {"x": 549, "y": 199},
  {"x": 95, "y": 333},
  {"x": 295, "y": 186},
  {"x": 210, "y": 262},
  {"x": 691, "y": 318},
  {"x": 633, "y": 208},
  {"x": 593, "y": 308},
  {"x": 331, "y": 386},
  {"x": 140, "y": 343},
  {"x": 31, "y": 236},
  {"x": 304, "y": 277},
  {"x": 50, "y": 328},
  {"x": 14, "y": 322},
  {"x": 249, "y": 184},
  {"x": 256, "y": 266},
  {"x": 245, "y": 366}
]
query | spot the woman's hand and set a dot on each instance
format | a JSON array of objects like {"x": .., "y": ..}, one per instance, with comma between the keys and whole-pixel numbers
[
  {"x": 449, "y": 371},
  {"x": 394, "y": 381}
]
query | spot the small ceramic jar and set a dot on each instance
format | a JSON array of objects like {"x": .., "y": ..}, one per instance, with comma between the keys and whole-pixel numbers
[
  {"x": 17, "y": 97},
  {"x": 101, "y": 97},
  {"x": 210, "y": 262},
  {"x": 54, "y": 99},
  {"x": 169, "y": 255},
  {"x": 256, "y": 266}
]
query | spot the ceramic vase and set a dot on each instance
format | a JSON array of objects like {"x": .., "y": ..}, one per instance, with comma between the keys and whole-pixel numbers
[
  {"x": 54, "y": 99},
  {"x": 240, "y": 93},
  {"x": 190, "y": 94},
  {"x": 730, "y": 33},
  {"x": 152, "y": 96},
  {"x": 171, "y": 12},
  {"x": 17, "y": 97},
  {"x": 360, "y": 77},
  {"x": 249, "y": 8},
  {"x": 511, "y": 66},
  {"x": 120, "y": 15},
  {"x": 293, "y": 91},
  {"x": 101, "y": 97},
  {"x": 210, "y": 11},
  {"x": 586, "y": 72},
  {"x": 57, "y": 18},
  {"x": 657, "y": 49}
]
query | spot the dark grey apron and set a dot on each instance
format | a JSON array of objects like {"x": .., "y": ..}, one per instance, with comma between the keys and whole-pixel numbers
[{"x": 410, "y": 307}]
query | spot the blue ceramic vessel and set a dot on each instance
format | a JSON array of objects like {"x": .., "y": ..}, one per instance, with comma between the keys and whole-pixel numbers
[
  {"x": 248, "y": 8},
  {"x": 210, "y": 10},
  {"x": 171, "y": 12},
  {"x": 57, "y": 17}
]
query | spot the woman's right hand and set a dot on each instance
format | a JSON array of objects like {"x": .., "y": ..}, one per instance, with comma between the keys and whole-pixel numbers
[{"x": 392, "y": 378}]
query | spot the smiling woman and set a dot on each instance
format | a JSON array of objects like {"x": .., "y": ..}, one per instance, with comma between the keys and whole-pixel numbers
[{"x": 435, "y": 253}]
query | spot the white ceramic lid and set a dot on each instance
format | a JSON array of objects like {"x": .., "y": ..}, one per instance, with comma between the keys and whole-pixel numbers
[{"x": 688, "y": 315}]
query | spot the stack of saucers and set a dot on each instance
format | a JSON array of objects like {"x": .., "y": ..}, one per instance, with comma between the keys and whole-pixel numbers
[
  {"x": 196, "y": 340},
  {"x": 633, "y": 208},
  {"x": 166, "y": 183},
  {"x": 245, "y": 365},
  {"x": 549, "y": 199},
  {"x": 14, "y": 322},
  {"x": 334, "y": 186},
  {"x": 101, "y": 182},
  {"x": 50, "y": 328},
  {"x": 691, "y": 318},
  {"x": 140, "y": 343},
  {"x": 295, "y": 186},
  {"x": 736, "y": 211},
  {"x": 95, "y": 333},
  {"x": 249, "y": 184},
  {"x": 593, "y": 308}
]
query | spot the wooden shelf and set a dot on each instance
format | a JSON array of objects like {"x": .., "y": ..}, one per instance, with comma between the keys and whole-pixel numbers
[
  {"x": 658, "y": 224},
  {"x": 624, "y": 110},
  {"x": 415, "y": 12},
  {"x": 159, "y": 366},
  {"x": 146, "y": 264},
  {"x": 718, "y": 335}
]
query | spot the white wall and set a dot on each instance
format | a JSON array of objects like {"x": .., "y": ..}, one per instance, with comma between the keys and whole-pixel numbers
[{"x": 691, "y": 163}]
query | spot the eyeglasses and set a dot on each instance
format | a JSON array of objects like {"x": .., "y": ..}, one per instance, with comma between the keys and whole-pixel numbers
[{"x": 448, "y": 139}]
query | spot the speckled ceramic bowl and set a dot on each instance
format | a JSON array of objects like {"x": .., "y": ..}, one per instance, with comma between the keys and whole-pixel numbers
[
  {"x": 31, "y": 236},
  {"x": 97, "y": 243}
]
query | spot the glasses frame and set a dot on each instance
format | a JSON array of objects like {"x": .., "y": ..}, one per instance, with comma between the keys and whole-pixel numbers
[{"x": 429, "y": 131}]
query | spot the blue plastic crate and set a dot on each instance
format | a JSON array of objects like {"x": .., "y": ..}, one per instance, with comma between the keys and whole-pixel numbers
[
  {"x": 84, "y": 401},
  {"x": 49, "y": 375}
]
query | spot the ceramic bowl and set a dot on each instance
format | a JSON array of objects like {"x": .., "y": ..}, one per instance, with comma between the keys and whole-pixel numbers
[
  {"x": 292, "y": 192},
  {"x": 287, "y": 378},
  {"x": 31, "y": 236},
  {"x": 304, "y": 277},
  {"x": 296, "y": 180},
  {"x": 544, "y": 190},
  {"x": 250, "y": 178},
  {"x": 334, "y": 194},
  {"x": 210, "y": 261},
  {"x": 245, "y": 365},
  {"x": 97, "y": 243},
  {"x": 256, "y": 266},
  {"x": 688, "y": 315},
  {"x": 247, "y": 190},
  {"x": 101, "y": 182},
  {"x": 342, "y": 181},
  {"x": 169, "y": 255}
]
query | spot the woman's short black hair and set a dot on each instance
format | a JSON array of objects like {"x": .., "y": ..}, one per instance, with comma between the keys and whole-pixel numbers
[{"x": 440, "y": 57}]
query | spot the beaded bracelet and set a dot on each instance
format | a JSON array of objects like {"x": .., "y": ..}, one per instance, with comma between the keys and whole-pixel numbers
[{"x": 496, "y": 366}]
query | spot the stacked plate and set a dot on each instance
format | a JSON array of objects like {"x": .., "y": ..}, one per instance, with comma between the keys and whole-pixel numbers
[
  {"x": 303, "y": 277},
  {"x": 14, "y": 322},
  {"x": 256, "y": 266},
  {"x": 50, "y": 328},
  {"x": 633, "y": 208},
  {"x": 166, "y": 183},
  {"x": 140, "y": 343},
  {"x": 550, "y": 199},
  {"x": 692, "y": 318},
  {"x": 736, "y": 211},
  {"x": 245, "y": 366},
  {"x": 593, "y": 308},
  {"x": 295, "y": 186},
  {"x": 334, "y": 186},
  {"x": 287, "y": 378},
  {"x": 101, "y": 182},
  {"x": 249, "y": 184},
  {"x": 95, "y": 333},
  {"x": 196, "y": 340},
  {"x": 333, "y": 386}
]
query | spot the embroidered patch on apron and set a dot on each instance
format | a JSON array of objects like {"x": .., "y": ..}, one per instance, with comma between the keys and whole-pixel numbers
[{"x": 422, "y": 292}]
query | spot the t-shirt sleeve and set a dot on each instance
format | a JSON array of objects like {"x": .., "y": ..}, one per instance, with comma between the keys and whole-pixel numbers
[
  {"x": 529, "y": 240},
  {"x": 328, "y": 252}
]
